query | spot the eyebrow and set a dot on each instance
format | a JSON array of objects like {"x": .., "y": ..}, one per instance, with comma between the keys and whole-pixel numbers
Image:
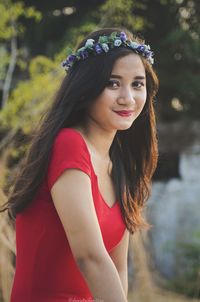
[{"x": 115, "y": 76}]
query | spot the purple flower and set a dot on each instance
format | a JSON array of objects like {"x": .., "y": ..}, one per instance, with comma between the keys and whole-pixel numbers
[
  {"x": 84, "y": 54},
  {"x": 140, "y": 48},
  {"x": 64, "y": 63},
  {"x": 71, "y": 58},
  {"x": 69, "y": 61},
  {"x": 147, "y": 53},
  {"x": 123, "y": 36},
  {"x": 98, "y": 49}
]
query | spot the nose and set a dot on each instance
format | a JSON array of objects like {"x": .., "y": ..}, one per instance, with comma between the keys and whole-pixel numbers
[{"x": 126, "y": 97}]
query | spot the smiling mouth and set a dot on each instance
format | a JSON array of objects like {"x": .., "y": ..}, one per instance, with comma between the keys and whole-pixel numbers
[{"x": 124, "y": 112}]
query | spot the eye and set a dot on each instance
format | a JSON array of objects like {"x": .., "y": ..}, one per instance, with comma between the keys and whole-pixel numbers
[
  {"x": 113, "y": 84},
  {"x": 138, "y": 84}
]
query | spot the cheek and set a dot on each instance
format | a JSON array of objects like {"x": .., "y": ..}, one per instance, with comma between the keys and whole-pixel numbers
[
  {"x": 142, "y": 98},
  {"x": 96, "y": 110},
  {"x": 103, "y": 103}
]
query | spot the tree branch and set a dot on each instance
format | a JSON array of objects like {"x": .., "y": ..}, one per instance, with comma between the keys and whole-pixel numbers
[{"x": 9, "y": 74}]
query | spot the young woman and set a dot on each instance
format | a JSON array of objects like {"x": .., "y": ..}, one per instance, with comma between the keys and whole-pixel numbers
[{"x": 87, "y": 175}]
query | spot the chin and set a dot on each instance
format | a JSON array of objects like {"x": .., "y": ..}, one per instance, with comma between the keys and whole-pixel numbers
[{"x": 124, "y": 127}]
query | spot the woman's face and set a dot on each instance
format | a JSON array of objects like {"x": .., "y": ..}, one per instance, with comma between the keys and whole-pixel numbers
[{"x": 123, "y": 98}]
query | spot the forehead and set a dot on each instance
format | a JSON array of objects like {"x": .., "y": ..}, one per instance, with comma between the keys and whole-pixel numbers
[{"x": 130, "y": 65}]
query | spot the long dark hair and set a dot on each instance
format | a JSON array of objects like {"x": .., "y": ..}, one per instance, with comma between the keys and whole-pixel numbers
[{"x": 133, "y": 151}]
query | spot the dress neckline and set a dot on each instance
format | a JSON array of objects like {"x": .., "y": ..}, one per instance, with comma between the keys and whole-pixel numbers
[{"x": 96, "y": 177}]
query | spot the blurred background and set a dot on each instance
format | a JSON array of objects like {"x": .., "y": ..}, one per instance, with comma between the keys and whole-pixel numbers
[{"x": 164, "y": 262}]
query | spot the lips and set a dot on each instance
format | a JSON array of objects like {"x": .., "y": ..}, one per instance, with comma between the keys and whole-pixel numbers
[{"x": 124, "y": 112}]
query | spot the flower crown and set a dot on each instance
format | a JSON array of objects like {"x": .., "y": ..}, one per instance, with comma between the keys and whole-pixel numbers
[{"x": 105, "y": 44}]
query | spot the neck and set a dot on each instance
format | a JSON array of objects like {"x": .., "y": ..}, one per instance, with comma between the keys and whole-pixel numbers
[{"x": 99, "y": 139}]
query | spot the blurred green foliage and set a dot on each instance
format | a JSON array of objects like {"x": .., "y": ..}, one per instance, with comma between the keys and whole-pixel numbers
[
  {"x": 32, "y": 97},
  {"x": 11, "y": 25},
  {"x": 118, "y": 13},
  {"x": 11, "y": 13},
  {"x": 170, "y": 27}
]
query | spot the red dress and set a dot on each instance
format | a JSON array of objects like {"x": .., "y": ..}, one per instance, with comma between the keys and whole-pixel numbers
[{"x": 46, "y": 270}]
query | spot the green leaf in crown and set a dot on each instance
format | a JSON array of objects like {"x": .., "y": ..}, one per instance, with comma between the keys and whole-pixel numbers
[
  {"x": 103, "y": 39},
  {"x": 112, "y": 38},
  {"x": 80, "y": 50},
  {"x": 69, "y": 51}
]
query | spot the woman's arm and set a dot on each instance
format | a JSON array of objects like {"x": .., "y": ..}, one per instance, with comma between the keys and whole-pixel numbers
[
  {"x": 119, "y": 255},
  {"x": 73, "y": 201}
]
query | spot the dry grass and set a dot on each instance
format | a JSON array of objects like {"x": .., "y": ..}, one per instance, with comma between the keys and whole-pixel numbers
[
  {"x": 7, "y": 250},
  {"x": 7, "y": 245}
]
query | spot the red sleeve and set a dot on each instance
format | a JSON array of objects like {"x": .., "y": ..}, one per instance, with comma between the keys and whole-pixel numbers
[{"x": 69, "y": 151}]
